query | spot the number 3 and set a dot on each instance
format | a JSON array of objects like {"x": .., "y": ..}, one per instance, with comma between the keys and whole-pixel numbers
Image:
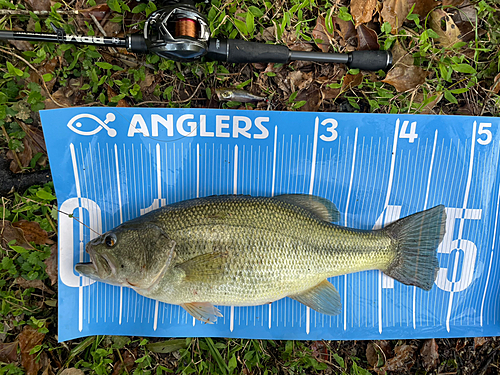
[{"x": 330, "y": 129}]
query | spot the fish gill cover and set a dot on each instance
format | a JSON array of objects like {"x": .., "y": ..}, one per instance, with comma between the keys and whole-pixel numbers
[{"x": 111, "y": 165}]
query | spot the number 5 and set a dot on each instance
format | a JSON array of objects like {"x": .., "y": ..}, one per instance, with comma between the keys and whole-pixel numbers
[{"x": 482, "y": 131}]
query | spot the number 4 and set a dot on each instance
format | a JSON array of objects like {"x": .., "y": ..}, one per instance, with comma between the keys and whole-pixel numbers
[{"x": 412, "y": 135}]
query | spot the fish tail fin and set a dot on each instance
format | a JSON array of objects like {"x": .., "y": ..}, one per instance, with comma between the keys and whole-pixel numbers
[{"x": 418, "y": 237}]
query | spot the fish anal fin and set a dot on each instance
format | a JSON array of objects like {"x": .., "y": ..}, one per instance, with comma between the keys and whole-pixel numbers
[
  {"x": 203, "y": 266},
  {"x": 323, "y": 298},
  {"x": 204, "y": 311},
  {"x": 320, "y": 207}
]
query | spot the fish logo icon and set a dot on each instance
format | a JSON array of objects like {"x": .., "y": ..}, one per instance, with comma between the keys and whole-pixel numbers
[{"x": 74, "y": 124}]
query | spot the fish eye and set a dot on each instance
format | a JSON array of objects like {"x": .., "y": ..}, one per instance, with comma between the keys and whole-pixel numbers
[
  {"x": 110, "y": 240},
  {"x": 226, "y": 94}
]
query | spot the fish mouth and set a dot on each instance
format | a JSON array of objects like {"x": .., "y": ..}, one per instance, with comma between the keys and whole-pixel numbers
[{"x": 99, "y": 268}]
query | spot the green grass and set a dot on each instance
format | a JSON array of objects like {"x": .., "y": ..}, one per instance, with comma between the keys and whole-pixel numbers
[{"x": 456, "y": 75}]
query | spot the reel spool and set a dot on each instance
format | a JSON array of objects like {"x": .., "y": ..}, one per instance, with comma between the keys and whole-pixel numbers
[{"x": 177, "y": 32}]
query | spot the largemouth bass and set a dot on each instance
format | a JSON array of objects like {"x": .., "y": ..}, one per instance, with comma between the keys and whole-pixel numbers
[{"x": 243, "y": 251}]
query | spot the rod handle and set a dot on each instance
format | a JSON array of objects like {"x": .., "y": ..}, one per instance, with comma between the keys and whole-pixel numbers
[
  {"x": 241, "y": 51},
  {"x": 370, "y": 60}
]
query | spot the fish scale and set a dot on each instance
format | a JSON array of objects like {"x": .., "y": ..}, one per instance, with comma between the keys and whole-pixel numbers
[{"x": 244, "y": 251}]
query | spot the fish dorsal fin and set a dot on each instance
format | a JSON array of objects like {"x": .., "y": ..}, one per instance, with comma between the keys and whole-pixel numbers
[
  {"x": 320, "y": 207},
  {"x": 202, "y": 266},
  {"x": 322, "y": 298}
]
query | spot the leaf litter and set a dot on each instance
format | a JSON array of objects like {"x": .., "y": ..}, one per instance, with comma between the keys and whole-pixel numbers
[
  {"x": 10, "y": 234},
  {"x": 449, "y": 34},
  {"x": 362, "y": 10},
  {"x": 321, "y": 35},
  {"x": 395, "y": 12},
  {"x": 33, "y": 232},
  {"x": 404, "y": 75},
  {"x": 29, "y": 338}
]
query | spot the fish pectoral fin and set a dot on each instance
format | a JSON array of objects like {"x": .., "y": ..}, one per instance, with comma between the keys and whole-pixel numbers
[
  {"x": 320, "y": 207},
  {"x": 204, "y": 311},
  {"x": 323, "y": 298},
  {"x": 203, "y": 266}
]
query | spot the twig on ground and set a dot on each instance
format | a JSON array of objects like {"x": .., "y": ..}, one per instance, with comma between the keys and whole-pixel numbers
[
  {"x": 174, "y": 101},
  {"x": 21, "y": 12}
]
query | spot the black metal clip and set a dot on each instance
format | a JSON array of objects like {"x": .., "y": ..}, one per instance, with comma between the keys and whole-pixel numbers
[{"x": 60, "y": 33}]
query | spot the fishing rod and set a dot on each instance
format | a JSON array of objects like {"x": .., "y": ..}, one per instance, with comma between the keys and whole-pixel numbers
[{"x": 179, "y": 32}]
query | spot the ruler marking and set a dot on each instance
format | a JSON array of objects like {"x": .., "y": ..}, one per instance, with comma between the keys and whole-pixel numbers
[
  {"x": 460, "y": 231},
  {"x": 346, "y": 211},
  {"x": 491, "y": 257},
  {"x": 389, "y": 190}
]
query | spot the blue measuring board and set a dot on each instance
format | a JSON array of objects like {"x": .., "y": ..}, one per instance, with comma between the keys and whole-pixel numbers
[{"x": 111, "y": 165}]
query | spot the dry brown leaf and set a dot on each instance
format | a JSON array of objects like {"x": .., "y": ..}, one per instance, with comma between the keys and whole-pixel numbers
[
  {"x": 290, "y": 39},
  {"x": 299, "y": 80},
  {"x": 28, "y": 339},
  {"x": 38, "y": 4},
  {"x": 465, "y": 19},
  {"x": 37, "y": 284},
  {"x": 454, "y": 3},
  {"x": 121, "y": 103},
  {"x": 423, "y": 7},
  {"x": 21, "y": 45},
  {"x": 98, "y": 11},
  {"x": 362, "y": 10},
  {"x": 329, "y": 93},
  {"x": 430, "y": 355},
  {"x": 403, "y": 360},
  {"x": 113, "y": 29},
  {"x": 148, "y": 85},
  {"x": 24, "y": 157},
  {"x": 8, "y": 352},
  {"x": 9, "y": 233},
  {"x": 35, "y": 136},
  {"x": 121, "y": 367},
  {"x": 33, "y": 143},
  {"x": 267, "y": 35},
  {"x": 51, "y": 264},
  {"x": 451, "y": 33},
  {"x": 395, "y": 12},
  {"x": 405, "y": 78},
  {"x": 351, "y": 81},
  {"x": 374, "y": 355},
  {"x": 73, "y": 371},
  {"x": 320, "y": 350},
  {"x": 404, "y": 75},
  {"x": 62, "y": 96},
  {"x": 33, "y": 232},
  {"x": 312, "y": 96},
  {"x": 367, "y": 38},
  {"x": 321, "y": 35},
  {"x": 479, "y": 341},
  {"x": 377, "y": 353},
  {"x": 496, "y": 84},
  {"x": 345, "y": 29},
  {"x": 48, "y": 67}
]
